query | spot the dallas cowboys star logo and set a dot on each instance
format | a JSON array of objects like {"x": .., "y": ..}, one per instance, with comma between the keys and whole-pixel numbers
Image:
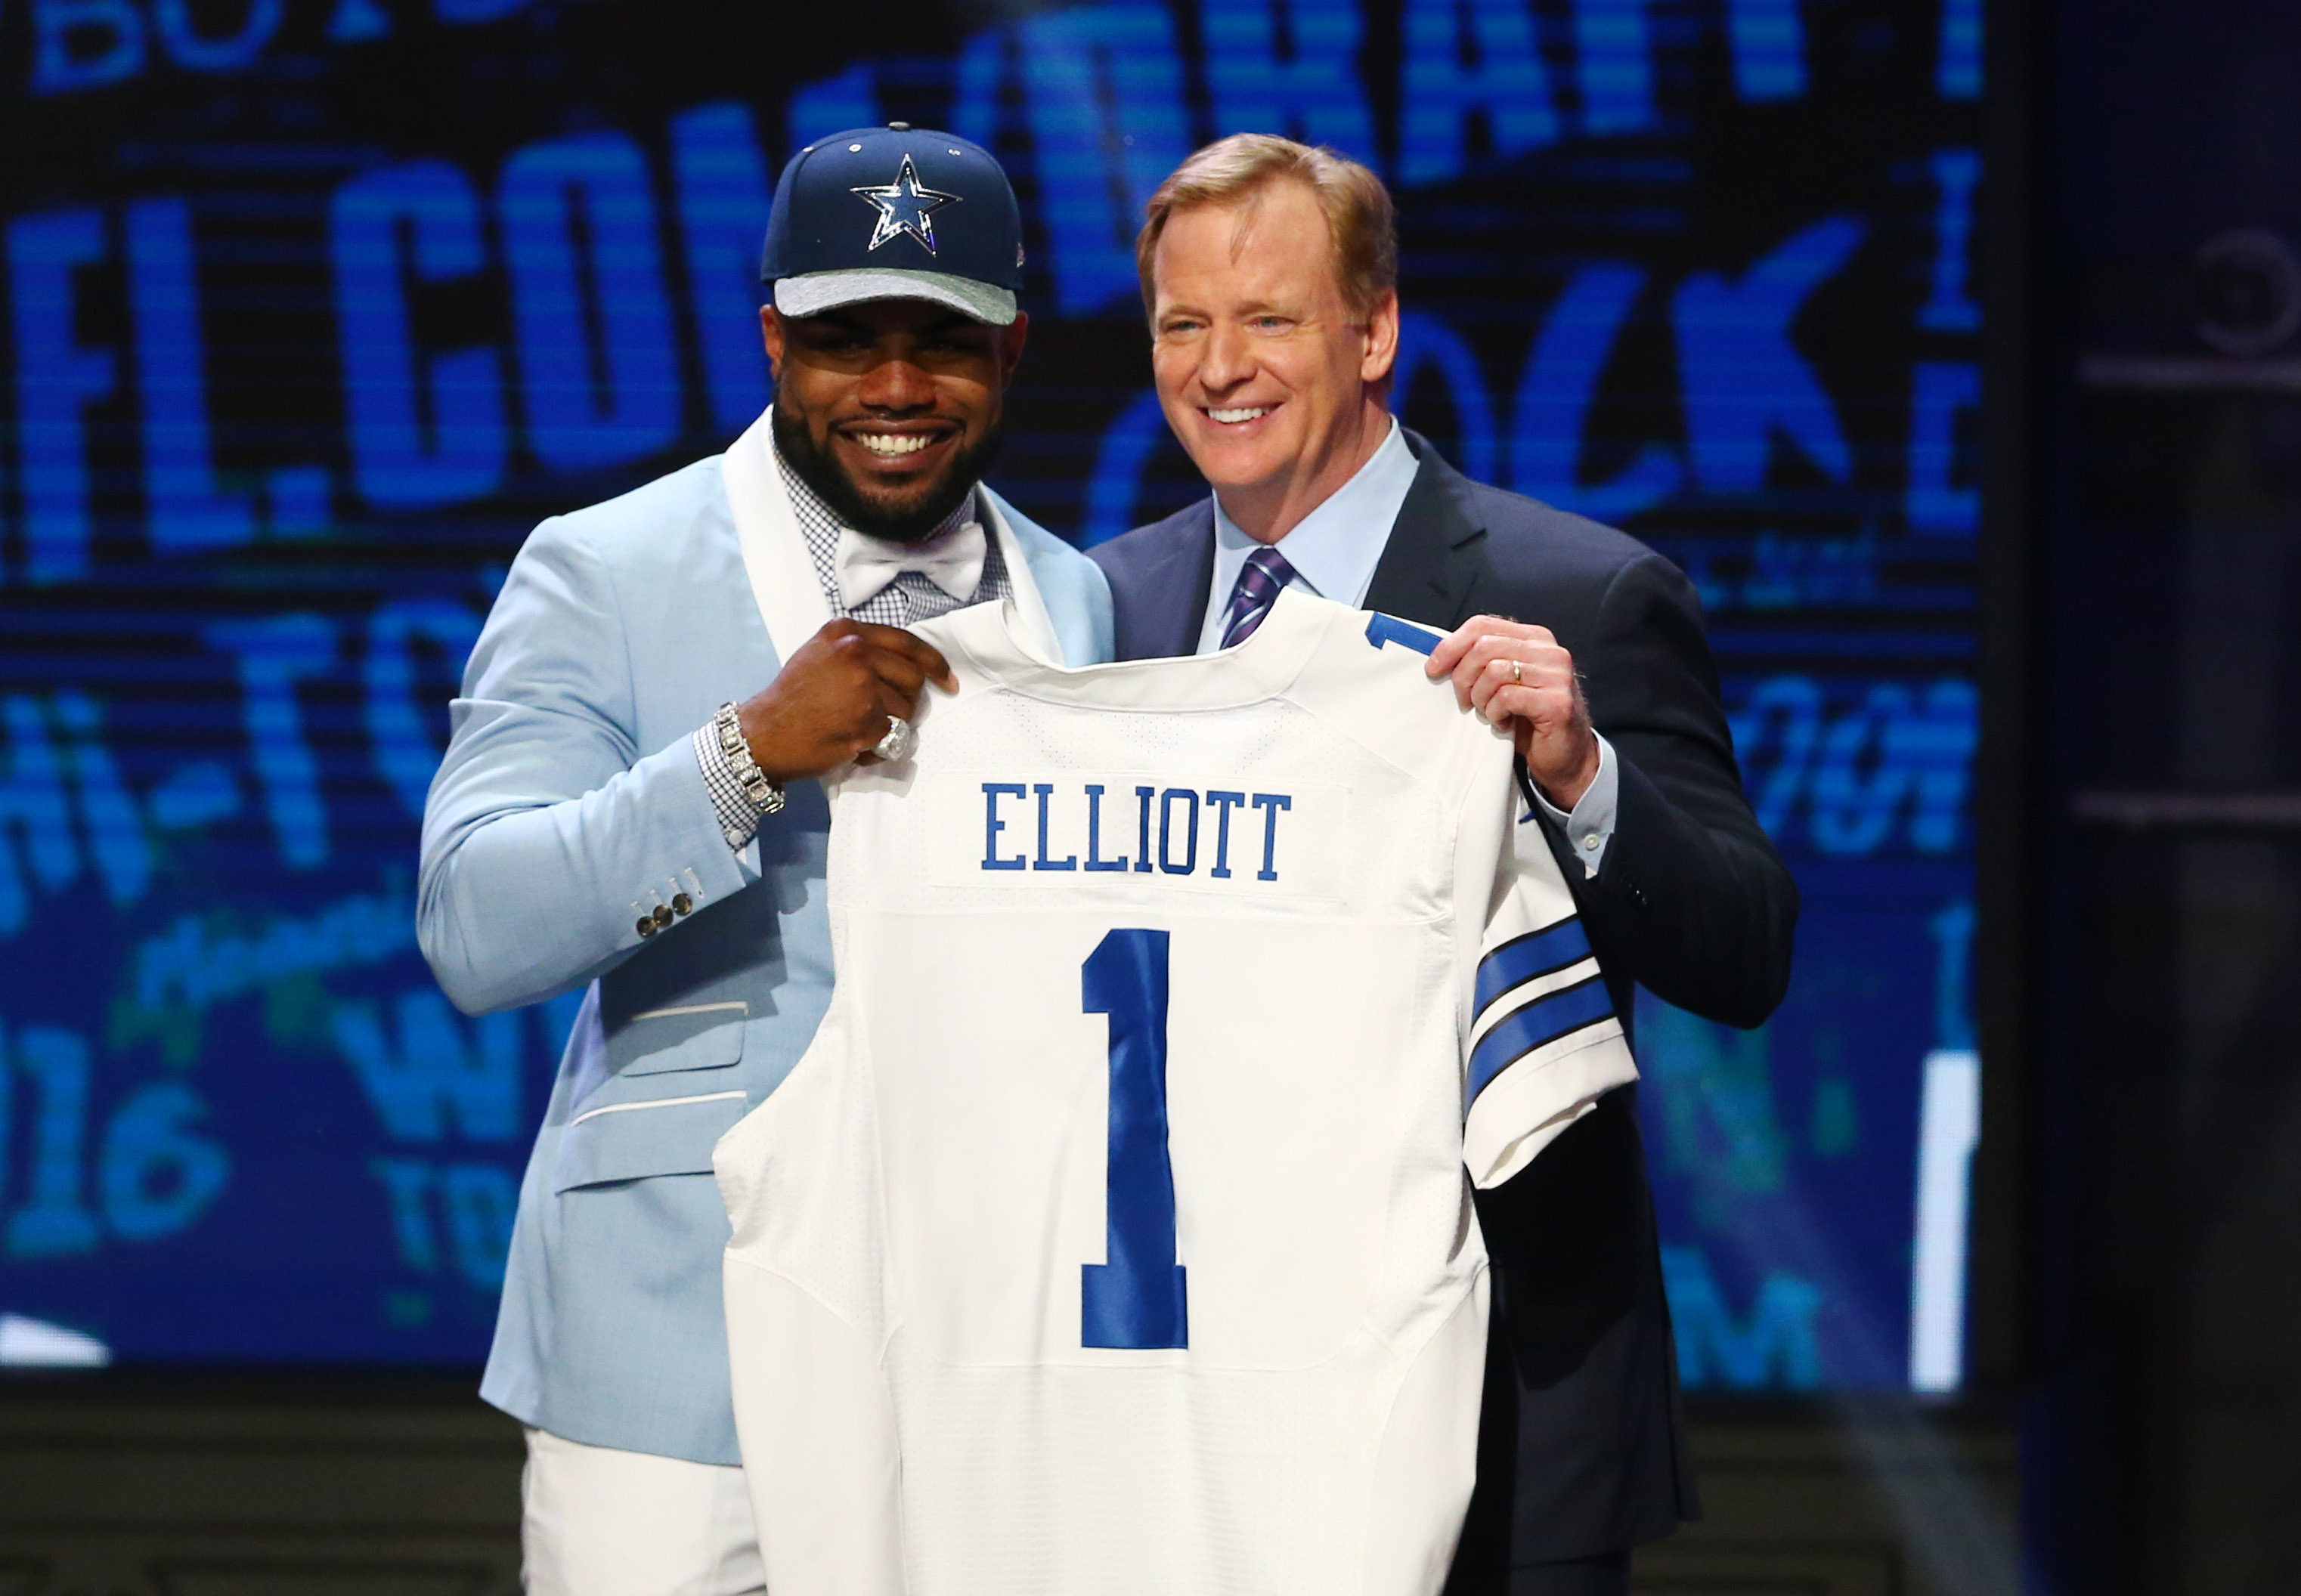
[{"x": 904, "y": 207}]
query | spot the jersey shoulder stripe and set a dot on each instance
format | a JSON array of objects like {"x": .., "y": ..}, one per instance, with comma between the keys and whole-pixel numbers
[
  {"x": 1524, "y": 959},
  {"x": 1537, "y": 1024}
]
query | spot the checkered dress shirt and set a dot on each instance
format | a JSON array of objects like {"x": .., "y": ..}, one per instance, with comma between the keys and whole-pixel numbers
[{"x": 911, "y": 596}]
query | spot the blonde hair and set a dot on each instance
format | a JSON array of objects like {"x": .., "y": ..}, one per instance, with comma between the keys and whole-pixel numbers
[{"x": 1237, "y": 171}]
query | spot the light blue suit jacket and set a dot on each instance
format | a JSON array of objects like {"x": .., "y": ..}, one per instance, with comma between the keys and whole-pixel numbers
[{"x": 568, "y": 804}]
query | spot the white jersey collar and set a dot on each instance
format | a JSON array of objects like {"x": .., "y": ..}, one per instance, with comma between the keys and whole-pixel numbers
[{"x": 994, "y": 649}]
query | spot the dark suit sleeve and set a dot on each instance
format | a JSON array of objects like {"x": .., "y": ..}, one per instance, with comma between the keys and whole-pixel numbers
[
  {"x": 1691, "y": 889},
  {"x": 1583, "y": 1451}
]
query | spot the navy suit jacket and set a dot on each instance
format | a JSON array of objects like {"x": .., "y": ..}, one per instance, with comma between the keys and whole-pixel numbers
[{"x": 1581, "y": 1445}]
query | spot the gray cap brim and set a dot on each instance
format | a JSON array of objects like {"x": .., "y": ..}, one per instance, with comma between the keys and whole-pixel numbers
[{"x": 815, "y": 292}]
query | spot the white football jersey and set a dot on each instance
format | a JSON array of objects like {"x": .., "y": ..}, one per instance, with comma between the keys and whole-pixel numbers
[{"x": 1113, "y": 1236}]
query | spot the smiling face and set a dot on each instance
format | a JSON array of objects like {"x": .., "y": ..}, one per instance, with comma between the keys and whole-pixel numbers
[
  {"x": 1273, "y": 387},
  {"x": 889, "y": 409}
]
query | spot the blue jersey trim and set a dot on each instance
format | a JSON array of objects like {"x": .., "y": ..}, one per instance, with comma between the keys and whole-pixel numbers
[
  {"x": 1522, "y": 959},
  {"x": 1389, "y": 629},
  {"x": 1544, "y": 1020}
]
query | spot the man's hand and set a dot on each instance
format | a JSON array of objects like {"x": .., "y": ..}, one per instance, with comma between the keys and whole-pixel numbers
[
  {"x": 1517, "y": 676},
  {"x": 830, "y": 701}
]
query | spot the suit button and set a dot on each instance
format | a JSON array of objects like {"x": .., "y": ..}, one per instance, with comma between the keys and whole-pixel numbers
[
  {"x": 646, "y": 925},
  {"x": 680, "y": 903},
  {"x": 662, "y": 915}
]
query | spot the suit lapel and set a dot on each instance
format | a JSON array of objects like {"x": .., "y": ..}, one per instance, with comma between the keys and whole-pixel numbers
[
  {"x": 783, "y": 582},
  {"x": 1172, "y": 599},
  {"x": 1030, "y": 603},
  {"x": 1430, "y": 569}
]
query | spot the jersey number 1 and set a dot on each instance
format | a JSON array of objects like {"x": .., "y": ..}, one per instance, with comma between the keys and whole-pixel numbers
[{"x": 1136, "y": 1299}]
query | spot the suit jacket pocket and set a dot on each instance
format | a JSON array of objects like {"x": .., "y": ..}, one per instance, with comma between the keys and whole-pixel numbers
[
  {"x": 629, "y": 1141},
  {"x": 694, "y": 1036}
]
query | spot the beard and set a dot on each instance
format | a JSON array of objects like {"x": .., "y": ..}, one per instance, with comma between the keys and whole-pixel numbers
[{"x": 928, "y": 506}]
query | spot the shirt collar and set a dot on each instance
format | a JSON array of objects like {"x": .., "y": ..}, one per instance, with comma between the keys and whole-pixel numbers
[
  {"x": 1336, "y": 547},
  {"x": 820, "y": 529}
]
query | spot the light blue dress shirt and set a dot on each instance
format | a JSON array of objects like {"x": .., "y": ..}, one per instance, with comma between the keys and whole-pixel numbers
[{"x": 1334, "y": 551}]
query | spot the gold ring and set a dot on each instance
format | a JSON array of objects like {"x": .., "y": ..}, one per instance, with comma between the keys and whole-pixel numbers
[{"x": 1517, "y": 675}]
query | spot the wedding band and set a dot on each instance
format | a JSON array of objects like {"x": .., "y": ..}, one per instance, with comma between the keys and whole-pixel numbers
[
  {"x": 1517, "y": 675},
  {"x": 898, "y": 741}
]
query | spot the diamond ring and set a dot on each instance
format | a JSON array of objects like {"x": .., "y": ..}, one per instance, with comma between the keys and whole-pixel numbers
[{"x": 899, "y": 741}]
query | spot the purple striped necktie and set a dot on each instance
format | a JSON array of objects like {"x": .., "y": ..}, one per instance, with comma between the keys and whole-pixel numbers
[{"x": 1260, "y": 583}]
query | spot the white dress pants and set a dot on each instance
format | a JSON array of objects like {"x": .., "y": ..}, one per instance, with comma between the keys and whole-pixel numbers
[{"x": 599, "y": 1522}]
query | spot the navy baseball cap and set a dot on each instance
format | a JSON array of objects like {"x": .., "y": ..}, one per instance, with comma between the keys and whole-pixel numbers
[{"x": 894, "y": 212}]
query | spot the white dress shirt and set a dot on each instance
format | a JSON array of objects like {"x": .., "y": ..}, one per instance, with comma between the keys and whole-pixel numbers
[{"x": 1334, "y": 551}]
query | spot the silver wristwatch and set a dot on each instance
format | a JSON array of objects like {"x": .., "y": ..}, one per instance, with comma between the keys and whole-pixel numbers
[{"x": 767, "y": 794}]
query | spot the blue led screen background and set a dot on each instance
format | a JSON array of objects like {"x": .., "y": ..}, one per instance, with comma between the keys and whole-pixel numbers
[{"x": 314, "y": 307}]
